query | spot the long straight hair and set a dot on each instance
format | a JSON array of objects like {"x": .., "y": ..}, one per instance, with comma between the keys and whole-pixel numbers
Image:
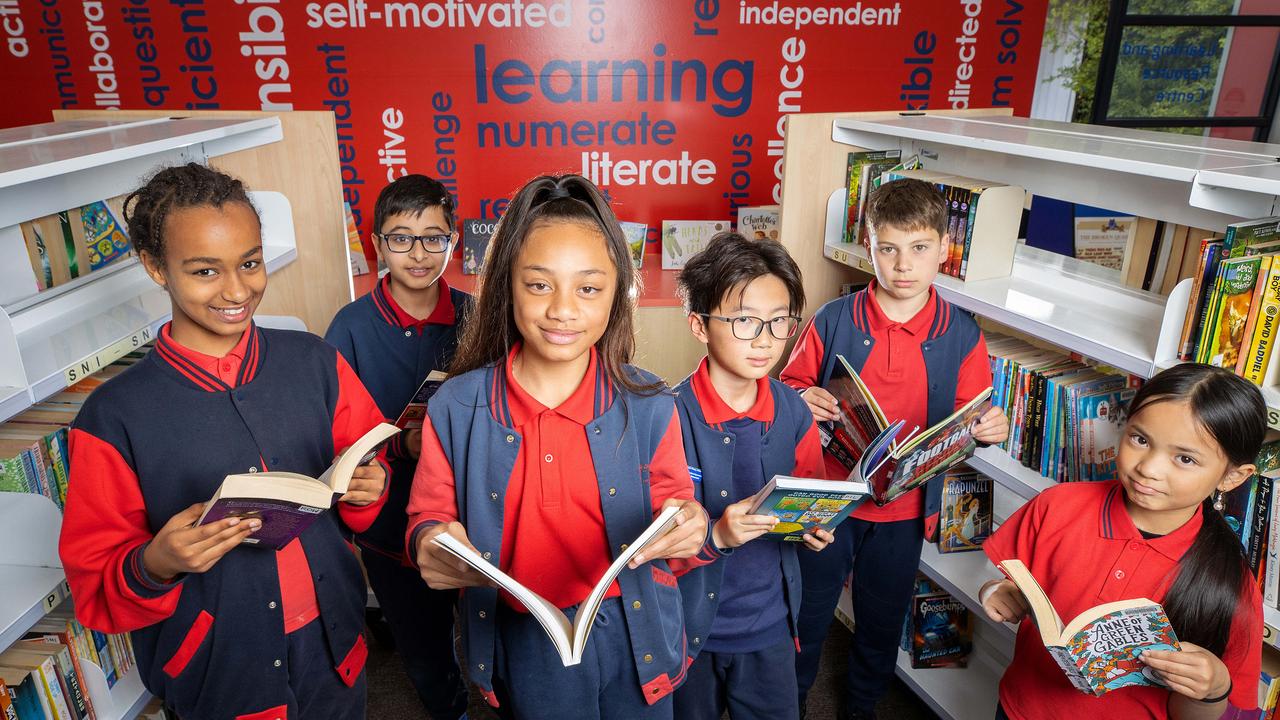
[
  {"x": 1201, "y": 602},
  {"x": 491, "y": 331}
]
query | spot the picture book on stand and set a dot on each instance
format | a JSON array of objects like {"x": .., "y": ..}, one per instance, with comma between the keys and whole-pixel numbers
[
  {"x": 967, "y": 503},
  {"x": 286, "y": 502},
  {"x": 803, "y": 505},
  {"x": 942, "y": 631},
  {"x": 1099, "y": 649},
  {"x": 569, "y": 638},
  {"x": 892, "y": 459}
]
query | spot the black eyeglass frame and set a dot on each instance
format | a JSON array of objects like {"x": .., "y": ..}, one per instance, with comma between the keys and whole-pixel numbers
[
  {"x": 450, "y": 238},
  {"x": 761, "y": 323}
]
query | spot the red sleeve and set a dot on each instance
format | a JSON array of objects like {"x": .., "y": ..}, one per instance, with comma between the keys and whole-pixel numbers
[
  {"x": 669, "y": 470},
  {"x": 801, "y": 371},
  {"x": 104, "y": 529},
  {"x": 809, "y": 460},
  {"x": 433, "y": 497},
  {"x": 1016, "y": 536},
  {"x": 355, "y": 415},
  {"x": 1243, "y": 656},
  {"x": 975, "y": 373}
]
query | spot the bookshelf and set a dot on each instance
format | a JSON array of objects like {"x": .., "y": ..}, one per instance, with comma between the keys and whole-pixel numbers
[{"x": 1199, "y": 182}]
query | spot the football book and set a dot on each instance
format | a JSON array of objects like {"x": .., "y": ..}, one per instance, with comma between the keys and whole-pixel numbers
[
  {"x": 878, "y": 452},
  {"x": 569, "y": 638},
  {"x": 288, "y": 503},
  {"x": 1100, "y": 649},
  {"x": 803, "y": 505}
]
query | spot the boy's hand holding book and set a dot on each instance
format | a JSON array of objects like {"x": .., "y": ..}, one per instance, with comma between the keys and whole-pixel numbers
[
  {"x": 682, "y": 541},
  {"x": 367, "y": 483},
  {"x": 1192, "y": 672},
  {"x": 441, "y": 569},
  {"x": 822, "y": 404},
  {"x": 182, "y": 546},
  {"x": 992, "y": 427},
  {"x": 737, "y": 526}
]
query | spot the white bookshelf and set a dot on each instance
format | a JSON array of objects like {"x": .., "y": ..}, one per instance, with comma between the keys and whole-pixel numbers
[
  {"x": 122, "y": 701},
  {"x": 968, "y": 693},
  {"x": 996, "y": 464},
  {"x": 30, "y": 570}
]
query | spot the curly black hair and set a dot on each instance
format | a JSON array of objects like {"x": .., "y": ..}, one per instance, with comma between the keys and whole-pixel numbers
[{"x": 176, "y": 187}]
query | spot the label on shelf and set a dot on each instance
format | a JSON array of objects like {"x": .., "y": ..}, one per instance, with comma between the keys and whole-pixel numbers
[
  {"x": 107, "y": 355},
  {"x": 1269, "y": 636},
  {"x": 1273, "y": 418},
  {"x": 55, "y": 597}
]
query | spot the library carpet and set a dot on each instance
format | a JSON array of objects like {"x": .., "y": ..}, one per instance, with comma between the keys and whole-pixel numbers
[{"x": 392, "y": 698}]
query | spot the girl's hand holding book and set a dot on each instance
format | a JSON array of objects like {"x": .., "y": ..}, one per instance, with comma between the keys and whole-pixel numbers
[
  {"x": 441, "y": 569},
  {"x": 367, "y": 483},
  {"x": 737, "y": 526},
  {"x": 1194, "y": 672},
  {"x": 682, "y": 541},
  {"x": 1003, "y": 601},
  {"x": 181, "y": 546}
]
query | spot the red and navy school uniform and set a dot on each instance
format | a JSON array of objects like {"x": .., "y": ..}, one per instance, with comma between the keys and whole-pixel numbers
[
  {"x": 920, "y": 371},
  {"x": 392, "y": 352},
  {"x": 741, "y": 612},
  {"x": 1079, "y": 542},
  {"x": 551, "y": 496},
  {"x": 261, "y": 634}
]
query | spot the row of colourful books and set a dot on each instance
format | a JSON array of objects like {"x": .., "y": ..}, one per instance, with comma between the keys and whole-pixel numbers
[
  {"x": 1231, "y": 318},
  {"x": 1250, "y": 511},
  {"x": 1269, "y": 687},
  {"x": 42, "y": 676},
  {"x": 33, "y": 443},
  {"x": 1065, "y": 415},
  {"x": 75, "y": 242}
]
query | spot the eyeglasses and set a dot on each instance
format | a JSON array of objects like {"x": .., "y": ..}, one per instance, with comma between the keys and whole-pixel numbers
[
  {"x": 397, "y": 243},
  {"x": 749, "y": 327}
]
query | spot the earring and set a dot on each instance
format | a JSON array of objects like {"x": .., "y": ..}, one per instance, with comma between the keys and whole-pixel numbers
[{"x": 1218, "y": 503}]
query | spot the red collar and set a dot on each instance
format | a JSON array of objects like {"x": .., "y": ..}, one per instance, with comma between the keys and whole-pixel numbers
[
  {"x": 580, "y": 407},
  {"x": 443, "y": 314},
  {"x": 918, "y": 324},
  {"x": 1117, "y": 525},
  {"x": 202, "y": 369},
  {"x": 715, "y": 410}
]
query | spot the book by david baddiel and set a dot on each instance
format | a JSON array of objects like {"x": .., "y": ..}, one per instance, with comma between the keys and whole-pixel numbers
[{"x": 286, "y": 502}]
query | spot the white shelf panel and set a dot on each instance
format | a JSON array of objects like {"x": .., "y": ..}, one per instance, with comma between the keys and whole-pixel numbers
[
  {"x": 963, "y": 574},
  {"x": 996, "y": 464},
  {"x": 29, "y": 592},
  {"x": 1083, "y": 164},
  {"x": 1271, "y": 626},
  {"x": 44, "y": 132},
  {"x": 968, "y": 693},
  {"x": 13, "y": 400},
  {"x": 122, "y": 701},
  {"x": 48, "y": 175}
]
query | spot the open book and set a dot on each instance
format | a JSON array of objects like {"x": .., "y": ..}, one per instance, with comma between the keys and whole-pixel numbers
[
  {"x": 876, "y": 451},
  {"x": 1099, "y": 649},
  {"x": 414, "y": 413},
  {"x": 803, "y": 505},
  {"x": 570, "y": 639},
  {"x": 286, "y": 502}
]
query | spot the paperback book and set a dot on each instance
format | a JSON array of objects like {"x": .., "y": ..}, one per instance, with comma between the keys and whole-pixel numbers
[
  {"x": 415, "y": 412},
  {"x": 942, "y": 631},
  {"x": 967, "y": 504},
  {"x": 803, "y": 505}
]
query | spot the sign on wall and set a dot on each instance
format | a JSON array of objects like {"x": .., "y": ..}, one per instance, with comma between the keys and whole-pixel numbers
[{"x": 674, "y": 107}]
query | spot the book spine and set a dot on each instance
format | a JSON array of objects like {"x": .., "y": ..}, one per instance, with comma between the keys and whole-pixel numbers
[
  {"x": 7, "y": 698},
  {"x": 1262, "y": 341},
  {"x": 968, "y": 232},
  {"x": 1209, "y": 316},
  {"x": 1259, "y": 524},
  {"x": 1271, "y": 583}
]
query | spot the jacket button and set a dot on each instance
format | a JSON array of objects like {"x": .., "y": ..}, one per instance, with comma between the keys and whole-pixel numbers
[
  {"x": 648, "y": 658},
  {"x": 485, "y": 556},
  {"x": 408, "y": 333},
  {"x": 272, "y": 604},
  {"x": 483, "y": 615},
  {"x": 636, "y": 605},
  {"x": 613, "y": 491},
  {"x": 866, "y": 342},
  {"x": 511, "y": 438},
  {"x": 622, "y": 547},
  {"x": 724, "y": 493},
  {"x": 596, "y": 429},
  {"x": 253, "y": 469},
  {"x": 711, "y": 596},
  {"x": 726, "y": 441},
  {"x": 276, "y": 663},
  {"x": 481, "y": 666},
  {"x": 493, "y": 496},
  {"x": 697, "y": 641}
]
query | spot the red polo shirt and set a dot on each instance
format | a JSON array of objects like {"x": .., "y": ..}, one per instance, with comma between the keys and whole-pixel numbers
[
  {"x": 553, "y": 488},
  {"x": 1079, "y": 542},
  {"x": 715, "y": 410},
  {"x": 443, "y": 314},
  {"x": 896, "y": 374}
]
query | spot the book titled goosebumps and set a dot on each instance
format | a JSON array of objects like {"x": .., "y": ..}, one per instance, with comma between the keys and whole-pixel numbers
[{"x": 942, "y": 631}]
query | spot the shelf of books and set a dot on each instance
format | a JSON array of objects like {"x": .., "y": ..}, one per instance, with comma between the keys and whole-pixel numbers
[
  {"x": 959, "y": 693},
  {"x": 995, "y": 463},
  {"x": 1192, "y": 181},
  {"x": 30, "y": 570},
  {"x": 62, "y": 334},
  {"x": 122, "y": 700}
]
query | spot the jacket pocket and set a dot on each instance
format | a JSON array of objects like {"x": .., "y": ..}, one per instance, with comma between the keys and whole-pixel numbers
[
  {"x": 190, "y": 644},
  {"x": 280, "y": 712}
]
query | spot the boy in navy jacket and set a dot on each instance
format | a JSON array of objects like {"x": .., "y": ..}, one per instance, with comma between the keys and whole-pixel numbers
[
  {"x": 922, "y": 358},
  {"x": 740, "y": 429},
  {"x": 393, "y": 338}
]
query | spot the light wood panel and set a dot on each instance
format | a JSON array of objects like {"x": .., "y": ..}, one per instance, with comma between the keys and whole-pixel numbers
[
  {"x": 304, "y": 167},
  {"x": 664, "y": 345}
]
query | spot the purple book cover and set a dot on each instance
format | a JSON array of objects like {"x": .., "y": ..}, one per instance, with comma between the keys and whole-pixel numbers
[{"x": 282, "y": 521}]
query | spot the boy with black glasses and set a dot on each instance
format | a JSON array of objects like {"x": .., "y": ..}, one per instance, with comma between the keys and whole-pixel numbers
[
  {"x": 740, "y": 429},
  {"x": 393, "y": 338}
]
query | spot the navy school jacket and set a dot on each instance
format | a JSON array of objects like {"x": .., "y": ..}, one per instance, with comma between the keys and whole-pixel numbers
[
  {"x": 469, "y": 416},
  {"x": 159, "y": 438},
  {"x": 711, "y": 451},
  {"x": 843, "y": 327},
  {"x": 392, "y": 362}
]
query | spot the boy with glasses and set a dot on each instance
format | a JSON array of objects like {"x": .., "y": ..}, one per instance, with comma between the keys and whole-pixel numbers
[
  {"x": 922, "y": 358},
  {"x": 393, "y": 338},
  {"x": 741, "y": 428}
]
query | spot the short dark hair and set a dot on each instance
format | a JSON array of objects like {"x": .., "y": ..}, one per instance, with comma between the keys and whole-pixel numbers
[
  {"x": 730, "y": 260},
  {"x": 174, "y": 188},
  {"x": 908, "y": 204},
  {"x": 412, "y": 194}
]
